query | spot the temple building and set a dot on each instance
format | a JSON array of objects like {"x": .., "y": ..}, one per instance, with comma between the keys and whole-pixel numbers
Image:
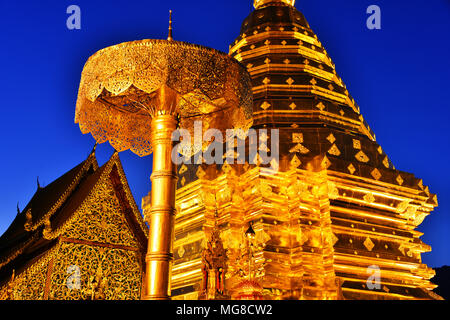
[
  {"x": 333, "y": 218},
  {"x": 81, "y": 237}
]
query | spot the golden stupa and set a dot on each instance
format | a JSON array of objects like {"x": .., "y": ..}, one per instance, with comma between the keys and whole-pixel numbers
[
  {"x": 330, "y": 218},
  {"x": 333, "y": 218}
]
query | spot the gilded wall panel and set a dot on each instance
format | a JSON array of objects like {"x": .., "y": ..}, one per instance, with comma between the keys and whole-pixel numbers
[
  {"x": 85, "y": 272},
  {"x": 29, "y": 284}
]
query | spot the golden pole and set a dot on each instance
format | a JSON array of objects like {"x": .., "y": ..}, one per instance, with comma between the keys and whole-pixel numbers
[{"x": 159, "y": 256}]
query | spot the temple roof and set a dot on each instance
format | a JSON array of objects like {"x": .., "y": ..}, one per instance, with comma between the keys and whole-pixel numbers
[{"x": 24, "y": 240}]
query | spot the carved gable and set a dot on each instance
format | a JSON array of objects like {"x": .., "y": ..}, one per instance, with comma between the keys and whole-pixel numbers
[
  {"x": 90, "y": 246},
  {"x": 101, "y": 219}
]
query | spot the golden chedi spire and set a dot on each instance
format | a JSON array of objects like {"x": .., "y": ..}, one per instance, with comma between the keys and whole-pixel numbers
[
  {"x": 261, "y": 3},
  {"x": 169, "y": 37},
  {"x": 353, "y": 238}
]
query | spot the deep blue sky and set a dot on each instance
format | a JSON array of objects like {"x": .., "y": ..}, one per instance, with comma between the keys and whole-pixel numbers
[{"x": 398, "y": 75}]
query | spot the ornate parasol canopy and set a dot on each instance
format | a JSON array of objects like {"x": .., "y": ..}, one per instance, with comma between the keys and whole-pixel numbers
[
  {"x": 121, "y": 88},
  {"x": 135, "y": 94}
]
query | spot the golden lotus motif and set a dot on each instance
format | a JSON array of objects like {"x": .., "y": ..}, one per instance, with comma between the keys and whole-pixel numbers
[{"x": 123, "y": 87}]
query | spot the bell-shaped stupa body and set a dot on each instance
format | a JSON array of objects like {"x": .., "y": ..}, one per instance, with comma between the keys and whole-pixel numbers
[
  {"x": 333, "y": 218},
  {"x": 262, "y": 3}
]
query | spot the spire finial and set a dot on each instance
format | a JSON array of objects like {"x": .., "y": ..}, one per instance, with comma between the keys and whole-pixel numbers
[
  {"x": 38, "y": 184},
  {"x": 18, "y": 209},
  {"x": 170, "y": 26},
  {"x": 94, "y": 148},
  {"x": 261, "y": 3}
]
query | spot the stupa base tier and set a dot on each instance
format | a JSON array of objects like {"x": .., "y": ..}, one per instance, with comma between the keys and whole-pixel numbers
[{"x": 318, "y": 235}]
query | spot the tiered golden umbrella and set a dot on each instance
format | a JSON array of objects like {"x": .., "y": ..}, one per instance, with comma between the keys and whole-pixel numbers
[
  {"x": 249, "y": 289},
  {"x": 136, "y": 94}
]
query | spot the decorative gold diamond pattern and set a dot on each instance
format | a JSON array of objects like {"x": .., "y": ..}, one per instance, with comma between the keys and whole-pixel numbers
[
  {"x": 183, "y": 169},
  {"x": 326, "y": 163},
  {"x": 361, "y": 157},
  {"x": 368, "y": 197},
  {"x": 265, "y": 105},
  {"x": 320, "y": 106},
  {"x": 297, "y": 137},
  {"x": 295, "y": 162},
  {"x": 369, "y": 244},
  {"x": 356, "y": 144},
  {"x": 331, "y": 138},
  {"x": 299, "y": 148},
  {"x": 351, "y": 168},
  {"x": 334, "y": 150},
  {"x": 376, "y": 174},
  {"x": 386, "y": 162},
  {"x": 200, "y": 173}
]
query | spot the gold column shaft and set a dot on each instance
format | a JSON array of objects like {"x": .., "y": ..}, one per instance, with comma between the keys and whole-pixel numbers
[{"x": 159, "y": 256}]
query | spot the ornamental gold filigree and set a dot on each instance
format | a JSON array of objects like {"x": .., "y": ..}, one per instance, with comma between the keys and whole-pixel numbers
[
  {"x": 261, "y": 3},
  {"x": 117, "y": 96},
  {"x": 105, "y": 273},
  {"x": 101, "y": 220},
  {"x": 29, "y": 284}
]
